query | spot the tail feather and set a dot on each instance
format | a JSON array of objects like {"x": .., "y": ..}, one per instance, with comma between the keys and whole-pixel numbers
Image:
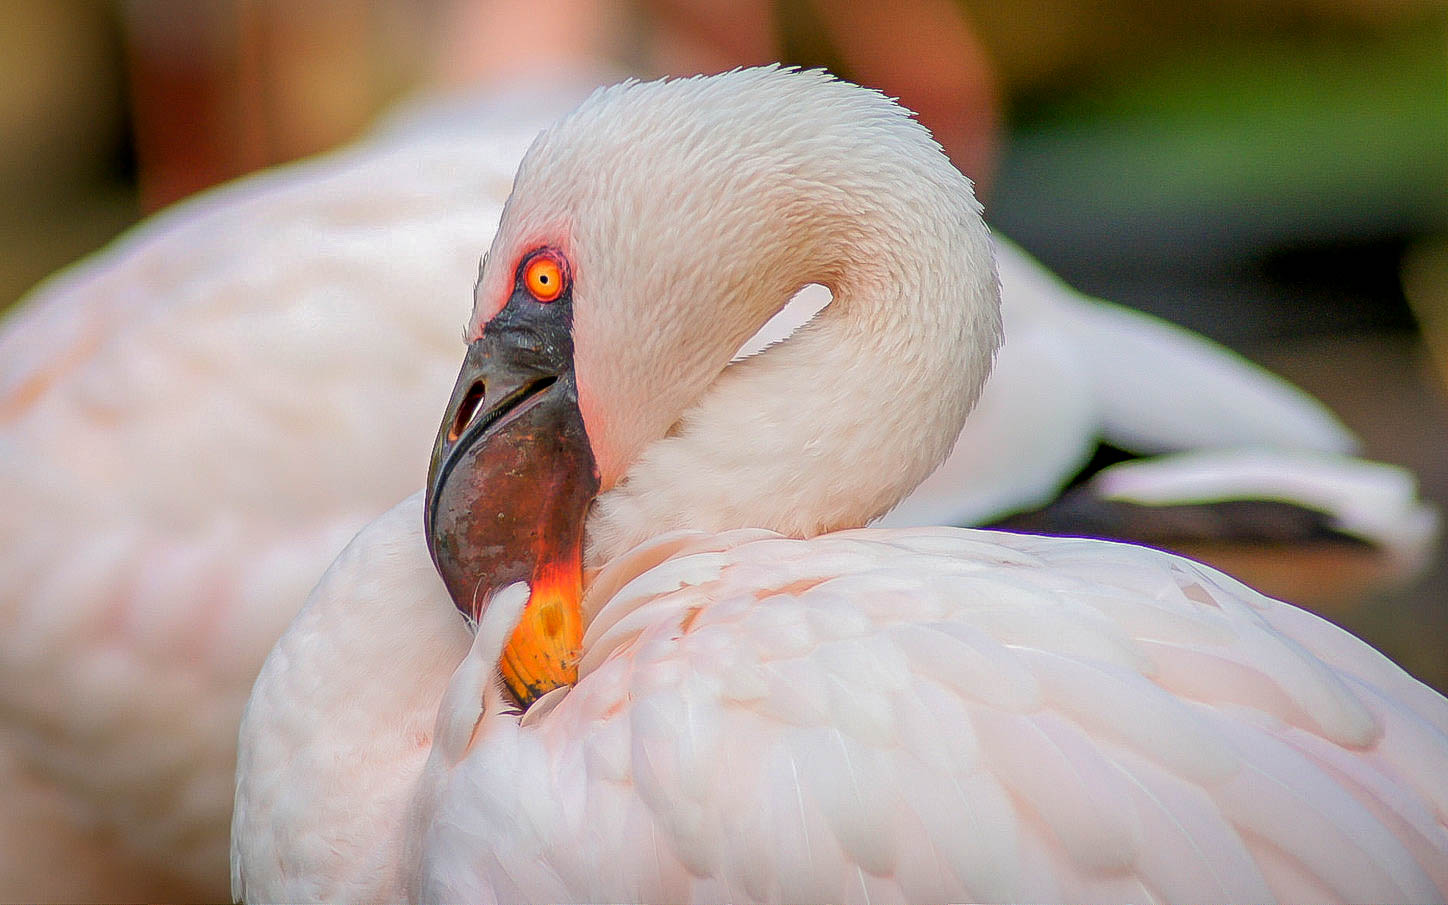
[
  {"x": 1075, "y": 372},
  {"x": 1371, "y": 501},
  {"x": 1162, "y": 388}
]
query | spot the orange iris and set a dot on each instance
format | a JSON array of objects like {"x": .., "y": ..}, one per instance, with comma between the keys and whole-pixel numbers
[{"x": 544, "y": 277}]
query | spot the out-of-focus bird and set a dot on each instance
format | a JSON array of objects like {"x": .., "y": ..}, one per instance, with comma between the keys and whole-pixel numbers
[
  {"x": 194, "y": 422},
  {"x": 747, "y": 702}
]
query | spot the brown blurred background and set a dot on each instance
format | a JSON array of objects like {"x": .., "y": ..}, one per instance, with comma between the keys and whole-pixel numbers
[{"x": 1271, "y": 173}]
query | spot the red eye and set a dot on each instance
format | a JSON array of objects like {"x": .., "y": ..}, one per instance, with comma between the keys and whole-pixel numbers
[{"x": 543, "y": 276}]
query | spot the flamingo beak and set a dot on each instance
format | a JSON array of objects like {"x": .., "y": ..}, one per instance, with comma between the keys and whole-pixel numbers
[{"x": 511, "y": 479}]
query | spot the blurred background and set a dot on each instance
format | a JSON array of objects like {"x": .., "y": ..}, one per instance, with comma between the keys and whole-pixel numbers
[{"x": 1270, "y": 173}]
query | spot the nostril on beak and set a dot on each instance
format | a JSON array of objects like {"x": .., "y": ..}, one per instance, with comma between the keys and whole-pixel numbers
[{"x": 466, "y": 410}]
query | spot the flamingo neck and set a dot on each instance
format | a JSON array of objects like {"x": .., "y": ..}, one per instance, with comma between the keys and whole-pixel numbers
[{"x": 832, "y": 427}]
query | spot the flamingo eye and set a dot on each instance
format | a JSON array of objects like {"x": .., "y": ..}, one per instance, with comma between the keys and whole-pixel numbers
[{"x": 543, "y": 275}]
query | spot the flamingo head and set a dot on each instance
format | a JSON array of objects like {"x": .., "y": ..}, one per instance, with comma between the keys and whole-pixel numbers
[{"x": 649, "y": 234}]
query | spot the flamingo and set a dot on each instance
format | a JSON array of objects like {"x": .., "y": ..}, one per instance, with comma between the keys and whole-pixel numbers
[
  {"x": 207, "y": 411},
  {"x": 195, "y": 421},
  {"x": 684, "y": 671}
]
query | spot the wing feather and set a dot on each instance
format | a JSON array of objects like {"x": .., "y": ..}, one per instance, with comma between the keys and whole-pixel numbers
[{"x": 952, "y": 714}]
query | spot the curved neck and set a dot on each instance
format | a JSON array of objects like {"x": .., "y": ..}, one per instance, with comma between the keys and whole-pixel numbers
[
  {"x": 832, "y": 427},
  {"x": 692, "y": 210}
]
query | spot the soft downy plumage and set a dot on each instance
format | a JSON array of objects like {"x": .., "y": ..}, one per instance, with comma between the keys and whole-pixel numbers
[
  {"x": 919, "y": 714},
  {"x": 195, "y": 421}
]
